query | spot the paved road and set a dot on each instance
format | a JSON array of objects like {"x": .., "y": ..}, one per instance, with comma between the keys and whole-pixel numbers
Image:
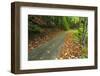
[{"x": 49, "y": 50}]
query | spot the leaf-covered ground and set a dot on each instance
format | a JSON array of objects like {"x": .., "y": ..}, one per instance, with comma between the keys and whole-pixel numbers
[
  {"x": 70, "y": 49},
  {"x": 42, "y": 38},
  {"x": 57, "y": 45}
]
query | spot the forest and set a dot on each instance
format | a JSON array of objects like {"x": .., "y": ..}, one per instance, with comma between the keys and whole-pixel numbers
[{"x": 57, "y": 37}]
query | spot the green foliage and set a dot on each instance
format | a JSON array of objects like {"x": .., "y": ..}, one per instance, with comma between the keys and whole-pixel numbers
[
  {"x": 78, "y": 35},
  {"x": 34, "y": 28},
  {"x": 49, "y": 21},
  {"x": 84, "y": 52},
  {"x": 75, "y": 19},
  {"x": 78, "y": 38},
  {"x": 61, "y": 22},
  {"x": 65, "y": 24}
]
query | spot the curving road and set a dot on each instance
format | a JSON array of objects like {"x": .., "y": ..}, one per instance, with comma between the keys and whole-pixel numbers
[{"x": 49, "y": 50}]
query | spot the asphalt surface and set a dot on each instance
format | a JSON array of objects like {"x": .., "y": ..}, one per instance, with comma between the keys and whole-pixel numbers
[{"x": 49, "y": 50}]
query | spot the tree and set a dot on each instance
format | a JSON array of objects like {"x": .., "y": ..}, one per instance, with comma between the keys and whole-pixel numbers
[{"x": 83, "y": 24}]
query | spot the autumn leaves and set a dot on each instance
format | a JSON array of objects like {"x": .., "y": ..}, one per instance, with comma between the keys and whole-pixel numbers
[
  {"x": 70, "y": 49},
  {"x": 45, "y": 29},
  {"x": 42, "y": 38}
]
